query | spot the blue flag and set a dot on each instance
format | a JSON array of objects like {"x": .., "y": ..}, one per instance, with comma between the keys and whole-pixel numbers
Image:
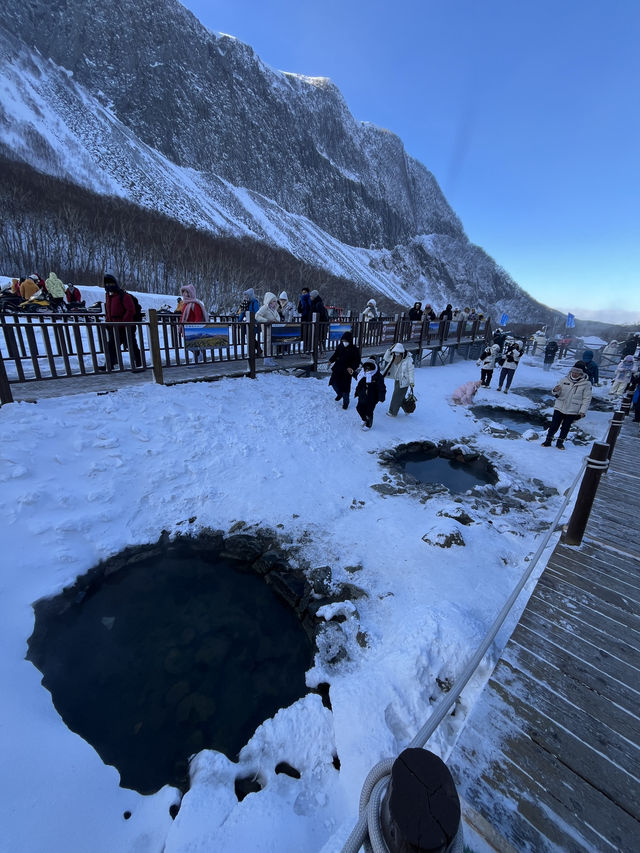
[
  {"x": 504, "y": 319},
  {"x": 571, "y": 321}
]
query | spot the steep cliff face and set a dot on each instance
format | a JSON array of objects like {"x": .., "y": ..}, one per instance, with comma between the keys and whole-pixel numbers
[
  {"x": 207, "y": 102},
  {"x": 137, "y": 99}
]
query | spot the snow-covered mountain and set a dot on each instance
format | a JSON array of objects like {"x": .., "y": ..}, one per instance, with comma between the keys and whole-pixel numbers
[{"x": 137, "y": 99}]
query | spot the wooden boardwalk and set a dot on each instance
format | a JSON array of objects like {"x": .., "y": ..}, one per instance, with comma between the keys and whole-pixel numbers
[
  {"x": 549, "y": 758},
  {"x": 104, "y": 383}
]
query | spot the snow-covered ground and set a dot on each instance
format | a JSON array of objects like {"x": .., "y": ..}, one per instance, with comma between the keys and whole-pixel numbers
[{"x": 84, "y": 476}]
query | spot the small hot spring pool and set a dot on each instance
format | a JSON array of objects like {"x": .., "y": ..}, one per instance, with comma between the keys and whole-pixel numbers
[
  {"x": 178, "y": 652},
  {"x": 431, "y": 464},
  {"x": 513, "y": 419}
]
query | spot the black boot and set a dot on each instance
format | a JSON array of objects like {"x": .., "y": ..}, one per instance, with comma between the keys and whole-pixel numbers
[{"x": 546, "y": 442}]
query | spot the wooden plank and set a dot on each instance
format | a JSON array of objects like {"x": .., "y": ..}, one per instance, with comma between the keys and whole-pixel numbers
[
  {"x": 576, "y": 646},
  {"x": 597, "y": 635},
  {"x": 626, "y": 590},
  {"x": 625, "y": 567},
  {"x": 502, "y": 794},
  {"x": 584, "y": 611},
  {"x": 617, "y": 536},
  {"x": 574, "y": 691},
  {"x": 575, "y": 586},
  {"x": 535, "y": 703},
  {"x": 580, "y": 670},
  {"x": 495, "y": 760},
  {"x": 572, "y": 591}
]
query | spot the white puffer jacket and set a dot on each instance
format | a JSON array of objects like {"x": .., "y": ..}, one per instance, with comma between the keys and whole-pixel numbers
[
  {"x": 573, "y": 398},
  {"x": 403, "y": 370},
  {"x": 265, "y": 314},
  {"x": 488, "y": 356}
]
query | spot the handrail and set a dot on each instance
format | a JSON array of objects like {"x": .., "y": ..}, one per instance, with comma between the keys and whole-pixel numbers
[{"x": 48, "y": 340}]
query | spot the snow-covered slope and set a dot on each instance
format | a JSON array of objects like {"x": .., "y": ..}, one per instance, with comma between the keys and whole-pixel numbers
[{"x": 179, "y": 120}]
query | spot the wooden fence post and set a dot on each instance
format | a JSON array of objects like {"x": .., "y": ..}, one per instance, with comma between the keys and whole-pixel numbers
[
  {"x": 597, "y": 464},
  {"x": 154, "y": 342},
  {"x": 625, "y": 406},
  {"x": 316, "y": 335},
  {"x": 251, "y": 344},
  {"x": 5, "y": 388},
  {"x": 420, "y": 810},
  {"x": 614, "y": 430}
]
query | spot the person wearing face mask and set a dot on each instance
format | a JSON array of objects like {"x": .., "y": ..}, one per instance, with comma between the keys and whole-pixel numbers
[
  {"x": 345, "y": 361},
  {"x": 397, "y": 362},
  {"x": 370, "y": 391},
  {"x": 573, "y": 395}
]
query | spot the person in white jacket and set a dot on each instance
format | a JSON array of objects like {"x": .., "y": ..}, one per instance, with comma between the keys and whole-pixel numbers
[
  {"x": 487, "y": 363},
  {"x": 573, "y": 395},
  {"x": 622, "y": 375},
  {"x": 398, "y": 364},
  {"x": 267, "y": 314},
  {"x": 370, "y": 311}
]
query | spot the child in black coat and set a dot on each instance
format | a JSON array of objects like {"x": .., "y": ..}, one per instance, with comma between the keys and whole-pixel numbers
[{"x": 370, "y": 391}]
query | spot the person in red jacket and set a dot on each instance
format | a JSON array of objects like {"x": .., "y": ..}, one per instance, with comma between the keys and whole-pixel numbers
[
  {"x": 119, "y": 308},
  {"x": 192, "y": 311},
  {"x": 72, "y": 295}
]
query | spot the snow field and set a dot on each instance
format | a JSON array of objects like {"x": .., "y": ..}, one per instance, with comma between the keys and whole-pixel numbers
[{"x": 85, "y": 476}]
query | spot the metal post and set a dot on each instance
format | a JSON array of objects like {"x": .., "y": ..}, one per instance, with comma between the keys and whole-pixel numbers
[
  {"x": 625, "y": 406},
  {"x": 597, "y": 464},
  {"x": 614, "y": 430},
  {"x": 421, "y": 809},
  {"x": 154, "y": 342}
]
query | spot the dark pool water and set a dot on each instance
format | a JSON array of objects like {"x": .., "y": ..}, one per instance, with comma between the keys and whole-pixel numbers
[
  {"x": 167, "y": 657},
  {"x": 428, "y": 467},
  {"x": 512, "y": 419}
]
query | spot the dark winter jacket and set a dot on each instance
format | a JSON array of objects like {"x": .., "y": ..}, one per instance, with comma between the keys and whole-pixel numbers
[
  {"x": 415, "y": 313},
  {"x": 373, "y": 391},
  {"x": 304, "y": 308},
  {"x": 447, "y": 314},
  {"x": 499, "y": 338},
  {"x": 593, "y": 371},
  {"x": 550, "y": 352},
  {"x": 248, "y": 306},
  {"x": 317, "y": 307},
  {"x": 347, "y": 355}
]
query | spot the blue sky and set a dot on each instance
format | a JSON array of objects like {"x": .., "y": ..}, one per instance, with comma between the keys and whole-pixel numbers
[{"x": 527, "y": 113}]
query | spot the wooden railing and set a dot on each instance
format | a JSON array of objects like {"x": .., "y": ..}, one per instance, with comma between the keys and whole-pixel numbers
[{"x": 50, "y": 346}]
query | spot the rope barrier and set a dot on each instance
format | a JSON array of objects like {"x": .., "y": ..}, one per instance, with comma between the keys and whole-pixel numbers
[
  {"x": 598, "y": 464},
  {"x": 367, "y": 832}
]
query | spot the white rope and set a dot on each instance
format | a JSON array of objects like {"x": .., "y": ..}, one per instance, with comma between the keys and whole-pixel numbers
[{"x": 598, "y": 464}]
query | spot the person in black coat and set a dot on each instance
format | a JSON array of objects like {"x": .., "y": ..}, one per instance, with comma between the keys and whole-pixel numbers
[
  {"x": 322, "y": 318},
  {"x": 345, "y": 360},
  {"x": 447, "y": 314},
  {"x": 415, "y": 313},
  {"x": 370, "y": 391},
  {"x": 549, "y": 354}
]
